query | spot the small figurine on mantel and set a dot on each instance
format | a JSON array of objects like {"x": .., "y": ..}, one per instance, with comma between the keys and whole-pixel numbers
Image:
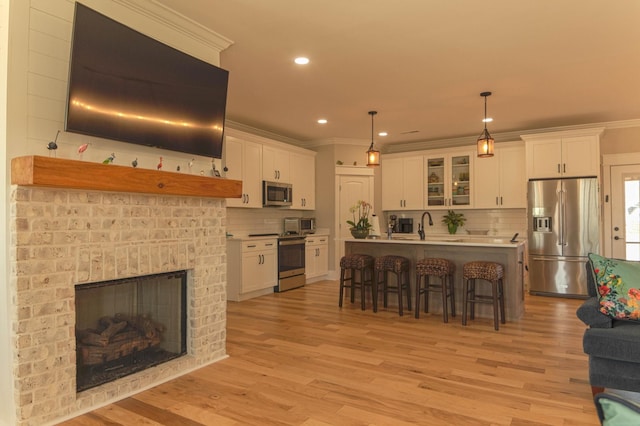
[
  {"x": 82, "y": 148},
  {"x": 159, "y": 166},
  {"x": 53, "y": 145},
  {"x": 214, "y": 171},
  {"x": 109, "y": 159},
  {"x": 134, "y": 163},
  {"x": 191, "y": 164}
]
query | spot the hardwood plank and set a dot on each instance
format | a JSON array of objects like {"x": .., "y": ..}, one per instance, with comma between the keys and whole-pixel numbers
[
  {"x": 62, "y": 173},
  {"x": 297, "y": 359}
]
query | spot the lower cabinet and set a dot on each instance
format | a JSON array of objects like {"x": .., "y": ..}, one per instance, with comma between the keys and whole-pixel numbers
[
  {"x": 251, "y": 268},
  {"x": 316, "y": 256}
]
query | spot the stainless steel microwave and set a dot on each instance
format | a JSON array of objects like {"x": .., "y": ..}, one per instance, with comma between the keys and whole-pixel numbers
[
  {"x": 299, "y": 225},
  {"x": 276, "y": 194}
]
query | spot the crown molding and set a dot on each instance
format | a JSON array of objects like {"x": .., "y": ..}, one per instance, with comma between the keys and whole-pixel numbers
[
  {"x": 262, "y": 133},
  {"x": 389, "y": 148},
  {"x": 507, "y": 136}
]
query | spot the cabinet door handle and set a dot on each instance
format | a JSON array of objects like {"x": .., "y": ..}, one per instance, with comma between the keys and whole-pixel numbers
[
  {"x": 251, "y": 246},
  {"x": 558, "y": 167},
  {"x": 564, "y": 167},
  {"x": 500, "y": 200},
  {"x": 497, "y": 204}
]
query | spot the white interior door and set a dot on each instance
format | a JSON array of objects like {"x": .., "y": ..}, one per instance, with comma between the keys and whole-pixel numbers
[
  {"x": 351, "y": 189},
  {"x": 625, "y": 211}
]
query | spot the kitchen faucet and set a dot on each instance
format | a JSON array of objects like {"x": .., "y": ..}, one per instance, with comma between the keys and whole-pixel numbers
[{"x": 421, "y": 225}]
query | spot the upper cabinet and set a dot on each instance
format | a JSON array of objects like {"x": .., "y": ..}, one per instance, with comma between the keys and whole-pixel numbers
[
  {"x": 243, "y": 161},
  {"x": 275, "y": 164},
  {"x": 448, "y": 179},
  {"x": 253, "y": 158},
  {"x": 402, "y": 183},
  {"x": 500, "y": 181},
  {"x": 303, "y": 180},
  {"x": 563, "y": 154}
]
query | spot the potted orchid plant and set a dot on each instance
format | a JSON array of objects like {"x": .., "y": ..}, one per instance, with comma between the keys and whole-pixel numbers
[{"x": 360, "y": 224}]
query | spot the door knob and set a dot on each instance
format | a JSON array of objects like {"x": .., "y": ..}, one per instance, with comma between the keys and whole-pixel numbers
[{"x": 616, "y": 228}]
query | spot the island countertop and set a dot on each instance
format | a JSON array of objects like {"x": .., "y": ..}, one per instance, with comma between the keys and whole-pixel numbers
[
  {"x": 447, "y": 240},
  {"x": 459, "y": 250}
]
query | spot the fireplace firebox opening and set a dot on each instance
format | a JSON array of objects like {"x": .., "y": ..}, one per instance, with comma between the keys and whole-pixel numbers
[{"x": 125, "y": 326}]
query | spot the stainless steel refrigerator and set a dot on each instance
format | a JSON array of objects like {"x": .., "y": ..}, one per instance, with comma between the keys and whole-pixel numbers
[{"x": 564, "y": 227}]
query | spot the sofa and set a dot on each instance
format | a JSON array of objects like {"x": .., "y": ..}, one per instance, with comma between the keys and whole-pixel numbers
[{"x": 613, "y": 345}]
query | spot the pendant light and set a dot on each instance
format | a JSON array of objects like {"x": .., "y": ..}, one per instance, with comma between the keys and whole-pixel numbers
[
  {"x": 373, "y": 155},
  {"x": 485, "y": 141}
]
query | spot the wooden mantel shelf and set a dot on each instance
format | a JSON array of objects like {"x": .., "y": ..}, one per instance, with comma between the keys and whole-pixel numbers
[{"x": 73, "y": 174}]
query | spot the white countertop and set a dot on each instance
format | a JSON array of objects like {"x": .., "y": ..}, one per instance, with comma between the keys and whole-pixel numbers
[{"x": 449, "y": 240}]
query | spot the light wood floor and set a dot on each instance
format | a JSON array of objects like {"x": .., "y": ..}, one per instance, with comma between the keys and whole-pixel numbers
[{"x": 297, "y": 359}]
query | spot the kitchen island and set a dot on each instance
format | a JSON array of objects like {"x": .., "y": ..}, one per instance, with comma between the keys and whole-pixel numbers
[{"x": 458, "y": 250}]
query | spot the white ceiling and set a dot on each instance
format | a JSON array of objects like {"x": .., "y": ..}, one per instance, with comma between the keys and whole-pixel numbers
[{"x": 423, "y": 63}]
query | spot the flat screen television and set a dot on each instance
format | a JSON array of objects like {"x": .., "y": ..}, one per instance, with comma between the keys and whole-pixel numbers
[{"x": 128, "y": 87}]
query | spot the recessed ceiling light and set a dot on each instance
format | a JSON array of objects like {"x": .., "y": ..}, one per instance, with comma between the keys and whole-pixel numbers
[
  {"x": 487, "y": 120},
  {"x": 382, "y": 134},
  {"x": 322, "y": 121},
  {"x": 301, "y": 60}
]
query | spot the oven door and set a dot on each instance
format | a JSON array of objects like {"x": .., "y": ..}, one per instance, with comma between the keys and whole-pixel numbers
[{"x": 291, "y": 256}]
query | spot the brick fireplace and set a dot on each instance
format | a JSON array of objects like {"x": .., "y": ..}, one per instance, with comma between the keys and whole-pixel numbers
[{"x": 63, "y": 237}]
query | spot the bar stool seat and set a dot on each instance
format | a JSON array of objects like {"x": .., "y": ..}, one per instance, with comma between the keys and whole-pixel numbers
[
  {"x": 491, "y": 272},
  {"x": 442, "y": 269},
  {"x": 363, "y": 264},
  {"x": 400, "y": 266}
]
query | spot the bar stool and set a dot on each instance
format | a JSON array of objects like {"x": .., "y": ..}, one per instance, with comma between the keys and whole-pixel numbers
[
  {"x": 440, "y": 268},
  {"x": 399, "y": 266},
  {"x": 488, "y": 271},
  {"x": 362, "y": 263}
]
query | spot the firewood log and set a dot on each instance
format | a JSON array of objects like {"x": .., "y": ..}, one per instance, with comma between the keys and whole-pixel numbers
[
  {"x": 93, "y": 339},
  {"x": 113, "y": 328}
]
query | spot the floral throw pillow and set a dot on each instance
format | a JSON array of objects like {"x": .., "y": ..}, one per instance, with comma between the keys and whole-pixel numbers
[{"x": 618, "y": 284}]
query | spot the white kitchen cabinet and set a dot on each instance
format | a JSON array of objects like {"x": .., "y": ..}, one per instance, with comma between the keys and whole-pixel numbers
[
  {"x": 243, "y": 161},
  {"x": 251, "y": 268},
  {"x": 448, "y": 179},
  {"x": 500, "y": 181},
  {"x": 402, "y": 183},
  {"x": 275, "y": 164},
  {"x": 316, "y": 256},
  {"x": 303, "y": 181},
  {"x": 563, "y": 154}
]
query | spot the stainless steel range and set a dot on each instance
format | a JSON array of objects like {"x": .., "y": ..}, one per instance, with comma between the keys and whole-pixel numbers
[{"x": 291, "y": 253}]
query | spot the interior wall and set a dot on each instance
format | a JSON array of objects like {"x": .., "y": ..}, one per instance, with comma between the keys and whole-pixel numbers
[
  {"x": 35, "y": 37},
  {"x": 620, "y": 140}
]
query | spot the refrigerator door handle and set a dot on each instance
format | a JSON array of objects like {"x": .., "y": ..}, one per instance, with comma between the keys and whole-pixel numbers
[{"x": 563, "y": 218}]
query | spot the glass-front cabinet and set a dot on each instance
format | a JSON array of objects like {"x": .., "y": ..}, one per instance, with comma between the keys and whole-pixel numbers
[{"x": 448, "y": 180}]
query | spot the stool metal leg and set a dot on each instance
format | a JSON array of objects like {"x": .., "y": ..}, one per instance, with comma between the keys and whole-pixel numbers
[
  {"x": 465, "y": 300},
  {"x": 342, "y": 278},
  {"x": 452, "y": 295},
  {"x": 494, "y": 294},
  {"x": 445, "y": 314},
  {"x": 374, "y": 290},
  {"x": 399, "y": 285},
  {"x": 418, "y": 291},
  {"x": 407, "y": 276},
  {"x": 501, "y": 289},
  {"x": 363, "y": 289}
]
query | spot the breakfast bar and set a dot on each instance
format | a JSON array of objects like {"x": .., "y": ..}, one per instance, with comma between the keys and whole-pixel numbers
[{"x": 458, "y": 250}]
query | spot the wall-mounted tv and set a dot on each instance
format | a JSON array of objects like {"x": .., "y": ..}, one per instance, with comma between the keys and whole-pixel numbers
[{"x": 128, "y": 87}]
